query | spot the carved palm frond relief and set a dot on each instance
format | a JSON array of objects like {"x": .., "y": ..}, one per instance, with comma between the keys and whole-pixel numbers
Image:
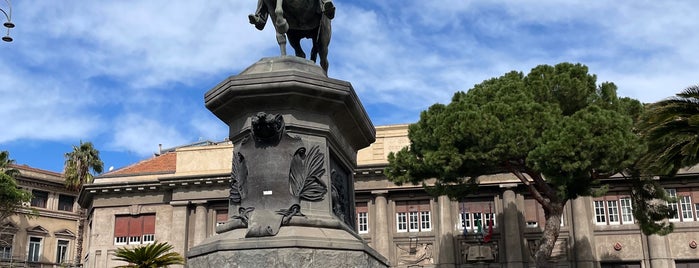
[
  {"x": 305, "y": 174},
  {"x": 239, "y": 177}
]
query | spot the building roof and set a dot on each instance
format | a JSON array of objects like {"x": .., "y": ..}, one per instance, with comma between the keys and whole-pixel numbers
[{"x": 160, "y": 164}]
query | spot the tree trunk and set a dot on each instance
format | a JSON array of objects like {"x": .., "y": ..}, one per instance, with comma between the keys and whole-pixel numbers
[
  {"x": 80, "y": 237},
  {"x": 550, "y": 235}
]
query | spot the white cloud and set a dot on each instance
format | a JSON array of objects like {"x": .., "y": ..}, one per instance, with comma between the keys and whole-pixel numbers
[
  {"x": 142, "y": 135},
  {"x": 93, "y": 70}
]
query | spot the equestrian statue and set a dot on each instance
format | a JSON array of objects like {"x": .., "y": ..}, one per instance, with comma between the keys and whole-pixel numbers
[{"x": 297, "y": 19}]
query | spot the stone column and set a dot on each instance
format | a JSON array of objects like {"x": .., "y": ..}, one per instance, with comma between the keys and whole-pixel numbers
[
  {"x": 511, "y": 230},
  {"x": 659, "y": 252},
  {"x": 584, "y": 243},
  {"x": 178, "y": 229},
  {"x": 445, "y": 236},
  {"x": 381, "y": 237},
  {"x": 200, "y": 226}
]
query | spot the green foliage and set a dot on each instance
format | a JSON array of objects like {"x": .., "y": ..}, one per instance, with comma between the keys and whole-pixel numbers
[
  {"x": 580, "y": 149},
  {"x": 670, "y": 128},
  {"x": 12, "y": 199},
  {"x": 553, "y": 122},
  {"x": 650, "y": 207},
  {"x": 148, "y": 256},
  {"x": 554, "y": 129},
  {"x": 80, "y": 165}
]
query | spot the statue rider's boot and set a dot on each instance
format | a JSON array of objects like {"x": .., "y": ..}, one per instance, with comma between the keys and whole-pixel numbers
[
  {"x": 329, "y": 8},
  {"x": 257, "y": 21}
]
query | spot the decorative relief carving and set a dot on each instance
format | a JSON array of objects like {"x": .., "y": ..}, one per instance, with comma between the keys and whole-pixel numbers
[
  {"x": 267, "y": 129},
  {"x": 415, "y": 255},
  {"x": 305, "y": 175},
  {"x": 257, "y": 190},
  {"x": 476, "y": 252},
  {"x": 239, "y": 175},
  {"x": 339, "y": 194}
]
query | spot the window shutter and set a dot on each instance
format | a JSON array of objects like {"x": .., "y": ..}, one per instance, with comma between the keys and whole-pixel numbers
[
  {"x": 135, "y": 226},
  {"x": 401, "y": 206},
  {"x": 424, "y": 205},
  {"x": 148, "y": 224},
  {"x": 531, "y": 210},
  {"x": 362, "y": 207},
  {"x": 121, "y": 226},
  {"x": 221, "y": 215}
]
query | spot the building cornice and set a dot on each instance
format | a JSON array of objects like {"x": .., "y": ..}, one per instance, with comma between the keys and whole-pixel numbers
[{"x": 157, "y": 184}]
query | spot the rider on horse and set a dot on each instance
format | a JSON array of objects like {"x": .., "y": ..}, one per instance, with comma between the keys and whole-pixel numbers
[{"x": 259, "y": 19}]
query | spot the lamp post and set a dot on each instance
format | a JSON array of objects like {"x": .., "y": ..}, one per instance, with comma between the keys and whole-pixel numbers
[{"x": 8, "y": 24}]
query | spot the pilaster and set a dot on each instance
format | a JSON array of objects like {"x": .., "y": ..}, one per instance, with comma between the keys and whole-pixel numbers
[
  {"x": 445, "y": 236},
  {"x": 584, "y": 242},
  {"x": 178, "y": 233},
  {"x": 381, "y": 235},
  {"x": 199, "y": 222},
  {"x": 511, "y": 230},
  {"x": 659, "y": 252}
]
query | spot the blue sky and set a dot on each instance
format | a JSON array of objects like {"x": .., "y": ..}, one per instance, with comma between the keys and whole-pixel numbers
[{"x": 128, "y": 75}]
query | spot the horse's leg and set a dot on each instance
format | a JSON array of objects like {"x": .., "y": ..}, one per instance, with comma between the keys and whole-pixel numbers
[
  {"x": 282, "y": 25},
  {"x": 281, "y": 37},
  {"x": 314, "y": 49},
  {"x": 281, "y": 40},
  {"x": 295, "y": 42}
]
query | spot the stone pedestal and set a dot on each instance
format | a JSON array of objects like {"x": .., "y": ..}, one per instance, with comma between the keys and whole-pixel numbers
[{"x": 296, "y": 134}]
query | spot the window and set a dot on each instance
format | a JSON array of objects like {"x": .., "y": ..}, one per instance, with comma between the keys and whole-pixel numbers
[
  {"x": 65, "y": 202},
  {"x": 39, "y": 198},
  {"x": 413, "y": 216},
  {"x": 34, "y": 253},
  {"x": 465, "y": 220},
  {"x": 362, "y": 218},
  {"x": 626, "y": 210},
  {"x": 686, "y": 207},
  {"x": 475, "y": 214},
  {"x": 413, "y": 222},
  {"x": 613, "y": 211},
  {"x": 673, "y": 205},
  {"x": 221, "y": 216},
  {"x": 402, "y": 222},
  {"x": 6, "y": 241},
  {"x": 139, "y": 229},
  {"x": 425, "y": 223},
  {"x": 61, "y": 251},
  {"x": 600, "y": 216}
]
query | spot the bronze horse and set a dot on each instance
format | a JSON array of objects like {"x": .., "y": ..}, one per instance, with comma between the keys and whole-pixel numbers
[{"x": 298, "y": 19}]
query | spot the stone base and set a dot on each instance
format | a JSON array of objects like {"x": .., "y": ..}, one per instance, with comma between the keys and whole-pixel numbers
[
  {"x": 293, "y": 246},
  {"x": 285, "y": 257}
]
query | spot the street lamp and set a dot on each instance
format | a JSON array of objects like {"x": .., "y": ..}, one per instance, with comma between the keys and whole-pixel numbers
[{"x": 8, "y": 24}]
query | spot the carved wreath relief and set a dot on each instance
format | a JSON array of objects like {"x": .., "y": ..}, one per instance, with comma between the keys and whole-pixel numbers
[{"x": 256, "y": 172}]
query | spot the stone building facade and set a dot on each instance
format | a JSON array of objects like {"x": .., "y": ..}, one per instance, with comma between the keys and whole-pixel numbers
[
  {"x": 46, "y": 239},
  {"x": 180, "y": 195}
]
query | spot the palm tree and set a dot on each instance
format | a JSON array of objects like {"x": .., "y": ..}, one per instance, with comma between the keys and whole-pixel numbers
[
  {"x": 80, "y": 165},
  {"x": 671, "y": 127},
  {"x": 148, "y": 256},
  {"x": 5, "y": 163},
  {"x": 12, "y": 199}
]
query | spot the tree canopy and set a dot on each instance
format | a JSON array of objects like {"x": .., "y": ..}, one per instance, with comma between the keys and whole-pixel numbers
[
  {"x": 12, "y": 199},
  {"x": 81, "y": 165},
  {"x": 554, "y": 128}
]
